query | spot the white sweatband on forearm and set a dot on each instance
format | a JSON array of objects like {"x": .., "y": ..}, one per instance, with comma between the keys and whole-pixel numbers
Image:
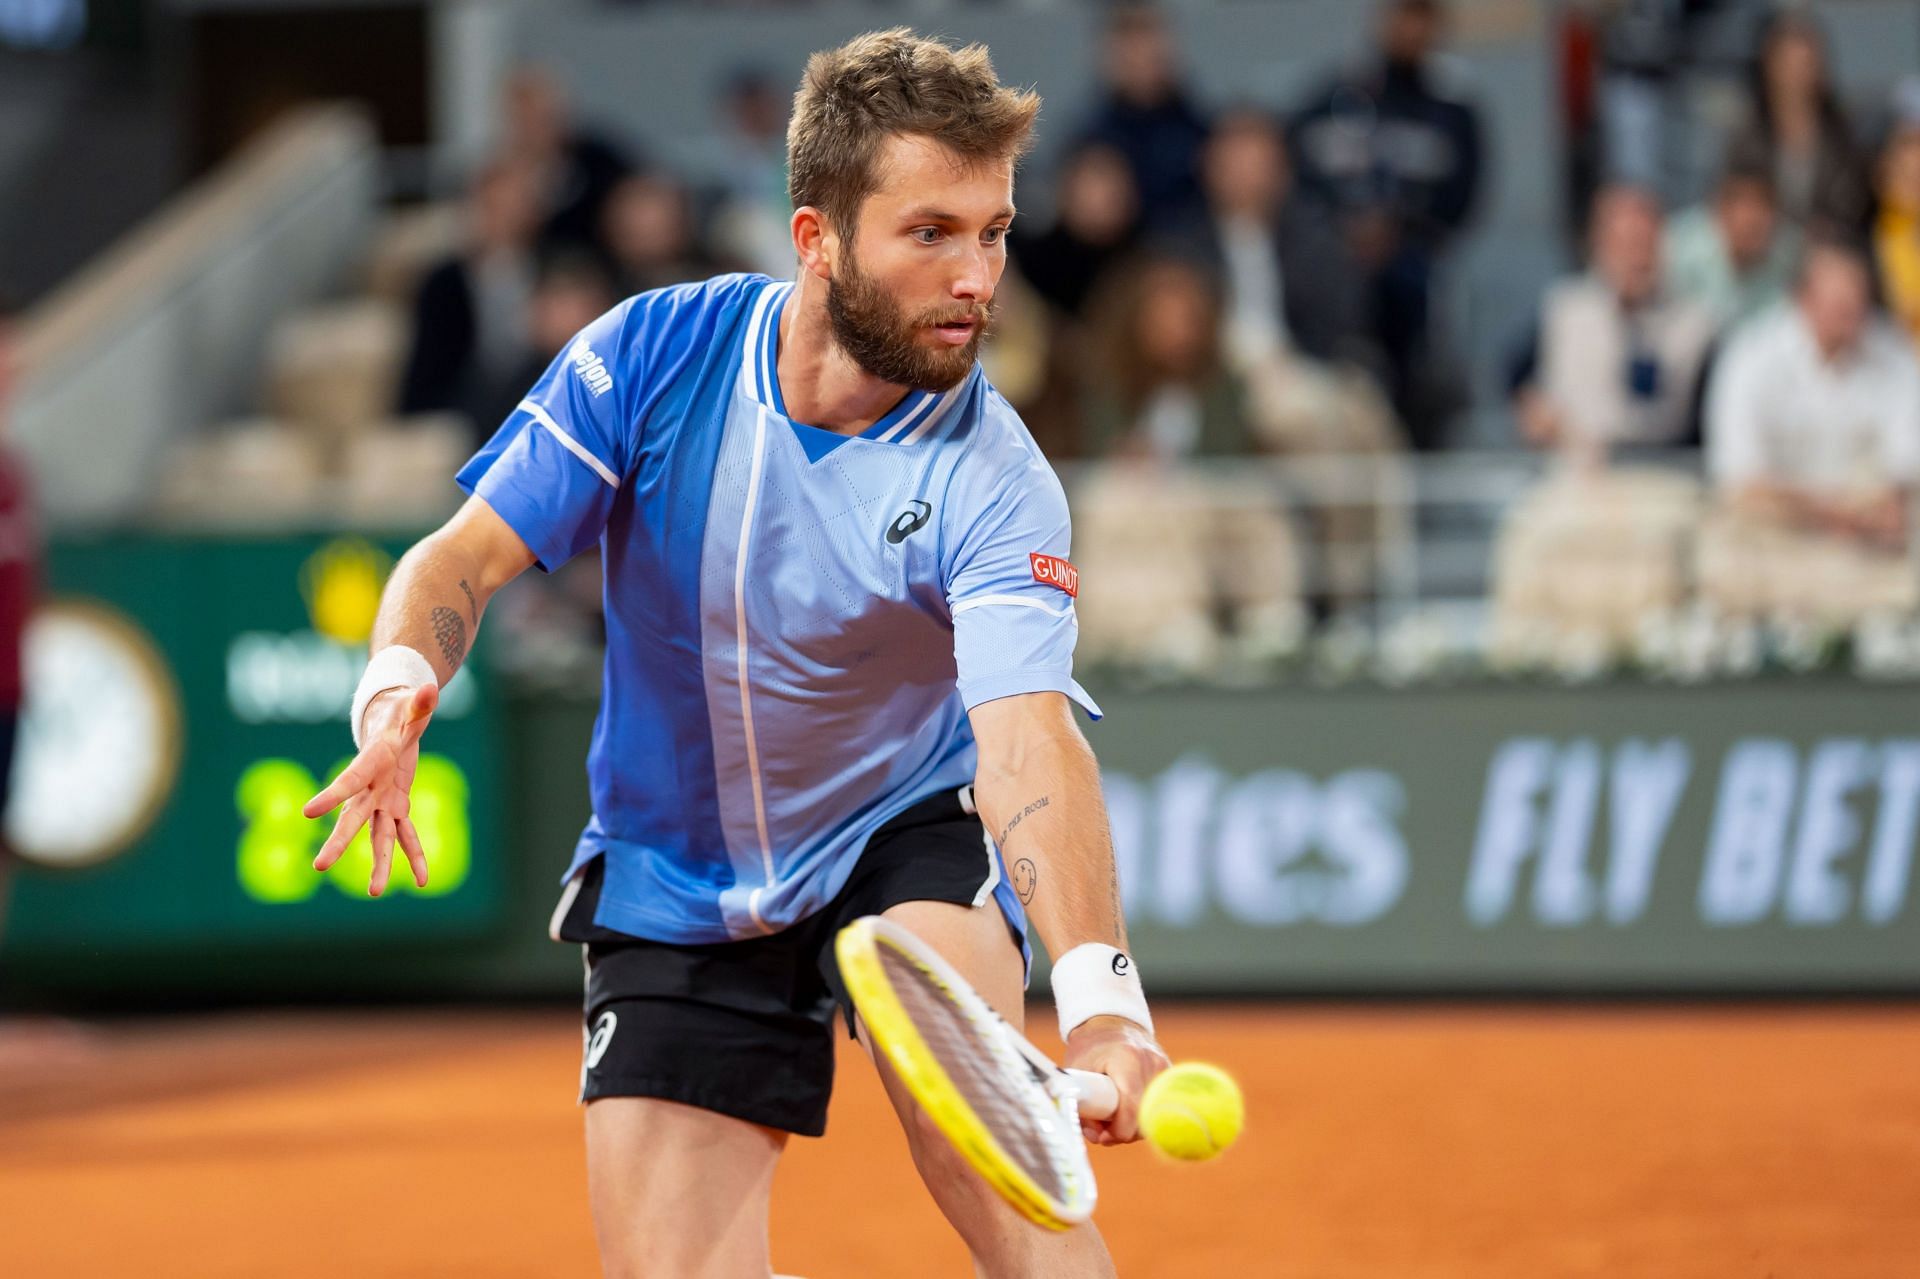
[
  {"x": 1095, "y": 980},
  {"x": 395, "y": 666}
]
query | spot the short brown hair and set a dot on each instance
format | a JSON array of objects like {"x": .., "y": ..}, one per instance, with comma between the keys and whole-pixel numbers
[{"x": 853, "y": 98}]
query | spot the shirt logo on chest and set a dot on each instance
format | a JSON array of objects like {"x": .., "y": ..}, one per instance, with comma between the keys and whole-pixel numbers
[{"x": 909, "y": 522}]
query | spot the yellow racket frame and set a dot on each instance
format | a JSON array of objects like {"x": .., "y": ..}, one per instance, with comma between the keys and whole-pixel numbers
[{"x": 858, "y": 950}]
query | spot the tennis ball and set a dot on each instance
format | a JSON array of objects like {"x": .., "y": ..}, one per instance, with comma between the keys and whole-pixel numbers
[{"x": 1192, "y": 1111}]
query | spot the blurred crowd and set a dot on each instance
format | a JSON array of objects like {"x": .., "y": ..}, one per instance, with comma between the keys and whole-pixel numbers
[{"x": 1263, "y": 279}]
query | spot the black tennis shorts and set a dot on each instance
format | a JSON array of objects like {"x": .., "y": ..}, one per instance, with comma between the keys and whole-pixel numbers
[{"x": 745, "y": 1028}]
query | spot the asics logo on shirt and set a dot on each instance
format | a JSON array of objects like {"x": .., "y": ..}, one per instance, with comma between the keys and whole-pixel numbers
[{"x": 909, "y": 522}]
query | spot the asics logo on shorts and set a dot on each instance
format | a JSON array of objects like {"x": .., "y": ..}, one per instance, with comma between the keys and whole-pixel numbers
[{"x": 602, "y": 1036}]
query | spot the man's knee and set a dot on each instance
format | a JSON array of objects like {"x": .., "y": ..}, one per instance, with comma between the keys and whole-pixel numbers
[{"x": 679, "y": 1191}]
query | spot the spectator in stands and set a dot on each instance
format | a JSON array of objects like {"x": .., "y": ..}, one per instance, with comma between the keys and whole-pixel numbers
[
  {"x": 19, "y": 569},
  {"x": 1165, "y": 389},
  {"x": 751, "y": 223},
  {"x": 1096, "y": 227},
  {"x": 1147, "y": 116},
  {"x": 1290, "y": 282},
  {"x": 1896, "y": 229},
  {"x": 1796, "y": 129},
  {"x": 1734, "y": 256},
  {"x": 470, "y": 314},
  {"x": 1814, "y": 414},
  {"x": 1296, "y": 334},
  {"x": 574, "y": 169},
  {"x": 649, "y": 232},
  {"x": 1616, "y": 358},
  {"x": 1397, "y": 152},
  {"x": 1097, "y": 223},
  {"x": 571, "y": 289}
]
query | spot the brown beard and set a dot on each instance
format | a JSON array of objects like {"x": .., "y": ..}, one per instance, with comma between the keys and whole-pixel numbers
[{"x": 885, "y": 343}]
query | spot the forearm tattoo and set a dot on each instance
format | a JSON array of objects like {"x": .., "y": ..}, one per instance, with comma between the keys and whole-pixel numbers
[
  {"x": 472, "y": 605},
  {"x": 451, "y": 631},
  {"x": 1026, "y": 879},
  {"x": 1021, "y": 816}
]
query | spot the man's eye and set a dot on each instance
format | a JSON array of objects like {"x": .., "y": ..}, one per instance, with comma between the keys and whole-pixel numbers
[
  {"x": 995, "y": 234},
  {"x": 927, "y": 235}
]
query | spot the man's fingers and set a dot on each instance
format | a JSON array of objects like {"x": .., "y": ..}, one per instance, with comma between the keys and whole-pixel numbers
[
  {"x": 351, "y": 819},
  {"x": 382, "y": 853},
  {"x": 420, "y": 709},
  {"x": 416, "y": 855},
  {"x": 353, "y": 779}
]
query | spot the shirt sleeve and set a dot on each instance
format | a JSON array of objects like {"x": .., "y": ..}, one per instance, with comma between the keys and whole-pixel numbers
[
  {"x": 1011, "y": 591},
  {"x": 554, "y": 467}
]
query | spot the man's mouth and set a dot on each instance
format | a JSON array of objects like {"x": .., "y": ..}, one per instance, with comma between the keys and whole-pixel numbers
[{"x": 957, "y": 331}]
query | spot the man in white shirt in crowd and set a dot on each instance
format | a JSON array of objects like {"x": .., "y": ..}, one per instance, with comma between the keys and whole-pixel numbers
[
  {"x": 1617, "y": 359},
  {"x": 1813, "y": 420}
]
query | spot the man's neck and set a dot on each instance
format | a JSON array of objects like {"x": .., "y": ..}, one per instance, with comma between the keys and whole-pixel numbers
[{"x": 820, "y": 385}]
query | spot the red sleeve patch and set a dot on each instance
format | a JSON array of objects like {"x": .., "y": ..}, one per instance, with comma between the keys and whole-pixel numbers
[{"x": 1055, "y": 571}]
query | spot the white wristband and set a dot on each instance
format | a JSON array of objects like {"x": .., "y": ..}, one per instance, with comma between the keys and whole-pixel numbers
[
  {"x": 395, "y": 666},
  {"x": 1095, "y": 980}
]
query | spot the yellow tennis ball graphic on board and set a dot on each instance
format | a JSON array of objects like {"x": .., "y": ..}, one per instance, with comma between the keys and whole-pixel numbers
[{"x": 1192, "y": 1111}]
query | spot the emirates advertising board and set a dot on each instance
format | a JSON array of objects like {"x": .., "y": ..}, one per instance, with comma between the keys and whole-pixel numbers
[{"x": 1756, "y": 836}]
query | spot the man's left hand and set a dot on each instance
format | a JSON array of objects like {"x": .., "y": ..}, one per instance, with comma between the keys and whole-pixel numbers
[{"x": 1126, "y": 1054}]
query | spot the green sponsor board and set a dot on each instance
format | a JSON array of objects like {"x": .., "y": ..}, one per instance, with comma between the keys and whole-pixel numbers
[
  {"x": 1622, "y": 837},
  {"x": 186, "y": 696}
]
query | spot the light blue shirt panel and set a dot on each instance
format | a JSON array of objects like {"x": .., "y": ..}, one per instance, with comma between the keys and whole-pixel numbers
[
  {"x": 851, "y": 711},
  {"x": 1012, "y": 633}
]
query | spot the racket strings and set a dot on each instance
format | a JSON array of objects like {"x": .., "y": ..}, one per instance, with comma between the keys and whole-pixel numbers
[{"x": 1000, "y": 1085}]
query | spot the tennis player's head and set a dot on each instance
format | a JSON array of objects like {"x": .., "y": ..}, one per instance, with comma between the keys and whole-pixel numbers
[{"x": 900, "y": 160}]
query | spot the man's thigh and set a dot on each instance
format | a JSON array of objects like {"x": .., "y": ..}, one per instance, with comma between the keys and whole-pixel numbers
[
  {"x": 977, "y": 942},
  {"x": 679, "y": 1191}
]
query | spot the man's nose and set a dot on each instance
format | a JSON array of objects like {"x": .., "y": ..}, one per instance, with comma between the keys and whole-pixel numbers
[{"x": 974, "y": 281}]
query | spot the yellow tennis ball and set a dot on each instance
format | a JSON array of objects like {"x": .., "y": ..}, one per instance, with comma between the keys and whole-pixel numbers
[{"x": 1192, "y": 1111}]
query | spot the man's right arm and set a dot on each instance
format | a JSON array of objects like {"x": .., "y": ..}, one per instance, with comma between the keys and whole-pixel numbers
[
  {"x": 432, "y": 606},
  {"x": 437, "y": 593}
]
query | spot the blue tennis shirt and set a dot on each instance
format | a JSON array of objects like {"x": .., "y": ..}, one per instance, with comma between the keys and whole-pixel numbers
[{"x": 797, "y": 620}]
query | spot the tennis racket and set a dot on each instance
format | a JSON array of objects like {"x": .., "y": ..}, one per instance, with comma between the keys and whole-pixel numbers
[{"x": 1009, "y": 1110}]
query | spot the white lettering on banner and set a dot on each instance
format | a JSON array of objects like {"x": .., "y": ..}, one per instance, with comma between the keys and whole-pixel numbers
[
  {"x": 303, "y": 677},
  {"x": 1812, "y": 842},
  {"x": 1648, "y": 781},
  {"x": 1828, "y": 830},
  {"x": 1644, "y": 785},
  {"x": 1563, "y": 891},
  {"x": 1508, "y": 825},
  {"x": 1746, "y": 849},
  {"x": 1891, "y": 858},
  {"x": 1266, "y": 825},
  {"x": 1185, "y": 800},
  {"x": 1127, "y": 820},
  {"x": 1271, "y": 849}
]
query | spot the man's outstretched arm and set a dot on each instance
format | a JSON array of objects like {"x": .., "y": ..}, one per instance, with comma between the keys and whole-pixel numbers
[{"x": 428, "y": 617}]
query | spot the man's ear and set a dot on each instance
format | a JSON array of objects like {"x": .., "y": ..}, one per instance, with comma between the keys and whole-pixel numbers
[{"x": 815, "y": 241}]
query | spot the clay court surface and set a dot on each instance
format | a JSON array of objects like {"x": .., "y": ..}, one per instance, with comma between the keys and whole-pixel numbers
[{"x": 1388, "y": 1141}]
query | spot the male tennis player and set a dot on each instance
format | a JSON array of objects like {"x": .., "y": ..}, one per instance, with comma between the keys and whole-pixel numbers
[{"x": 840, "y": 621}]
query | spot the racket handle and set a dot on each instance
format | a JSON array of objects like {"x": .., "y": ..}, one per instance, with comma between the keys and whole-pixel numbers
[{"x": 1098, "y": 1097}]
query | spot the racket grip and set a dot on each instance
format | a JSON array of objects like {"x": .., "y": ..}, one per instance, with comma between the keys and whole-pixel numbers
[{"x": 1098, "y": 1097}]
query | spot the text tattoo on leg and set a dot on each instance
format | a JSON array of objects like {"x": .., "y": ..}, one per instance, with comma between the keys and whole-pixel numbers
[{"x": 451, "y": 631}]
